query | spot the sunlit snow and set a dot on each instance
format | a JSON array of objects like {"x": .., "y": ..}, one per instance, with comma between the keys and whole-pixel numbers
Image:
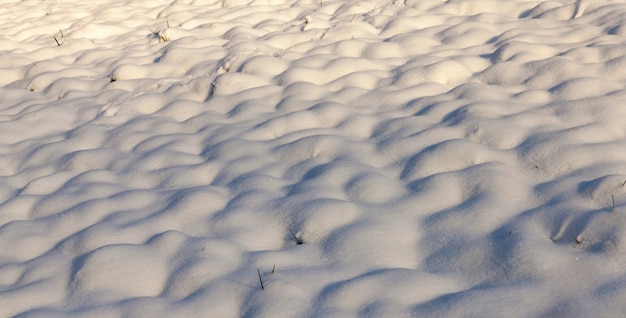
[{"x": 312, "y": 158}]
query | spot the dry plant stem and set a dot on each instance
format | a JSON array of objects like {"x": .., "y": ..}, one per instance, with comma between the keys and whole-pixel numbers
[
  {"x": 62, "y": 38},
  {"x": 260, "y": 278},
  {"x": 298, "y": 240},
  {"x": 613, "y": 200}
]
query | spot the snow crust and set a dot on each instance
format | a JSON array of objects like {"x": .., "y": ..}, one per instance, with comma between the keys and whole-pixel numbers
[{"x": 312, "y": 158}]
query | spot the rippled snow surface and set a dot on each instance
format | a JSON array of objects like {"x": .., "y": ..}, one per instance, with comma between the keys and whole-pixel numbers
[{"x": 461, "y": 158}]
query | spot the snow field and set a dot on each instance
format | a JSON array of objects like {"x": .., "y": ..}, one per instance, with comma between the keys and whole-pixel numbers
[{"x": 360, "y": 158}]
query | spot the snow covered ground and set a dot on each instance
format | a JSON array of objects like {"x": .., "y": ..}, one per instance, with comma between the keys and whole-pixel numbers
[{"x": 380, "y": 158}]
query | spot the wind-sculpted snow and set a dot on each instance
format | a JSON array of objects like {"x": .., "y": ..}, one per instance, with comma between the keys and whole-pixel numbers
[{"x": 312, "y": 158}]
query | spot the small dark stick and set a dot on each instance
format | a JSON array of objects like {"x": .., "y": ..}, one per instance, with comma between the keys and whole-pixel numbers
[
  {"x": 274, "y": 269},
  {"x": 62, "y": 38},
  {"x": 260, "y": 278},
  {"x": 298, "y": 240},
  {"x": 613, "y": 199}
]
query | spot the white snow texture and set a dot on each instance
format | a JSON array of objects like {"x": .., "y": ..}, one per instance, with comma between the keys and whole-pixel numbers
[{"x": 312, "y": 158}]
